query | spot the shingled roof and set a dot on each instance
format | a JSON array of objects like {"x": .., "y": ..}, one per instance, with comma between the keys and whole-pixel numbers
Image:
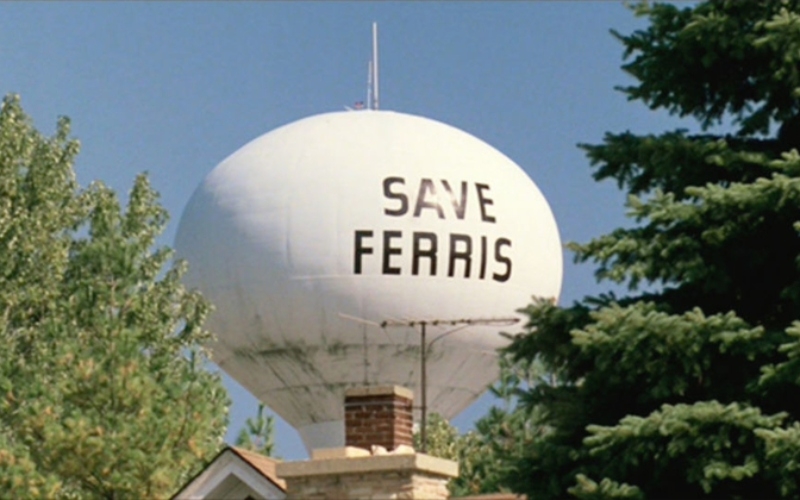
[
  {"x": 233, "y": 469},
  {"x": 263, "y": 464}
]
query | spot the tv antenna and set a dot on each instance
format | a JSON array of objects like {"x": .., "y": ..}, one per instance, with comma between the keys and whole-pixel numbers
[
  {"x": 425, "y": 346},
  {"x": 373, "y": 65},
  {"x": 373, "y": 100}
]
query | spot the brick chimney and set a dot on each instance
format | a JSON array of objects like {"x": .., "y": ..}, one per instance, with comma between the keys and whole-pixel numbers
[
  {"x": 373, "y": 416},
  {"x": 378, "y": 416}
]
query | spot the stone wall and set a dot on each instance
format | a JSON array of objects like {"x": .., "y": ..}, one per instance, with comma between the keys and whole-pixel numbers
[{"x": 374, "y": 486}]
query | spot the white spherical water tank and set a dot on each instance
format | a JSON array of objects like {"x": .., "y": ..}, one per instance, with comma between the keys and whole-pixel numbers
[{"x": 373, "y": 215}]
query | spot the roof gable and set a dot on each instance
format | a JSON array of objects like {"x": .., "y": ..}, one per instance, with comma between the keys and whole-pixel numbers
[{"x": 235, "y": 473}]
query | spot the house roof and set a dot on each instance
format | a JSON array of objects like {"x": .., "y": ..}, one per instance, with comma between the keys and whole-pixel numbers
[
  {"x": 263, "y": 464},
  {"x": 219, "y": 468}
]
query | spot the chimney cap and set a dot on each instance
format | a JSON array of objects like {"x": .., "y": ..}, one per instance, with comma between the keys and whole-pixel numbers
[{"x": 379, "y": 390}]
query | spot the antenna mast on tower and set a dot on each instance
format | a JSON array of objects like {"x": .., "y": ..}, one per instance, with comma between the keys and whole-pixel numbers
[
  {"x": 369, "y": 86},
  {"x": 373, "y": 104}
]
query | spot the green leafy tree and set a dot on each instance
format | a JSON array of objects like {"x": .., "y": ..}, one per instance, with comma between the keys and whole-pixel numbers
[
  {"x": 486, "y": 454},
  {"x": 103, "y": 386},
  {"x": 258, "y": 433},
  {"x": 688, "y": 386},
  {"x": 444, "y": 441}
]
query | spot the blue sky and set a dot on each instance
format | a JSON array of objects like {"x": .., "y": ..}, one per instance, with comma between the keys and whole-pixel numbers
[{"x": 173, "y": 88}]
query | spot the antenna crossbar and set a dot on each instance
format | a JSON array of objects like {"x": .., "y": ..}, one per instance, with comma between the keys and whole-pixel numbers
[{"x": 451, "y": 322}]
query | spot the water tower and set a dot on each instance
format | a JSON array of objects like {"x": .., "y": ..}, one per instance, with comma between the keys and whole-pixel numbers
[{"x": 373, "y": 215}]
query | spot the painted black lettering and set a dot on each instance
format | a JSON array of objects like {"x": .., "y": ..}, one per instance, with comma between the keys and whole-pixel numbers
[
  {"x": 401, "y": 197},
  {"x": 483, "y": 202},
  {"x": 360, "y": 249},
  {"x": 482, "y": 274},
  {"x": 502, "y": 259},
  {"x": 455, "y": 254},
  {"x": 460, "y": 206},
  {"x": 429, "y": 252},
  {"x": 389, "y": 250},
  {"x": 424, "y": 186}
]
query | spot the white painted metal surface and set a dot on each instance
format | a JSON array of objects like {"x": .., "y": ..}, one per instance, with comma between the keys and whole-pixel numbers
[{"x": 376, "y": 215}]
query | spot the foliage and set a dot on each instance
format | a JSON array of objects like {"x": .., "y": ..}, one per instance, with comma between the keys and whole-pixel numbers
[
  {"x": 444, "y": 441},
  {"x": 687, "y": 386},
  {"x": 103, "y": 386},
  {"x": 485, "y": 454},
  {"x": 258, "y": 433}
]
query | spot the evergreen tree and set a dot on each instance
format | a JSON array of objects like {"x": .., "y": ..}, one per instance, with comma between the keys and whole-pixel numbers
[
  {"x": 258, "y": 433},
  {"x": 688, "y": 386},
  {"x": 103, "y": 386}
]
